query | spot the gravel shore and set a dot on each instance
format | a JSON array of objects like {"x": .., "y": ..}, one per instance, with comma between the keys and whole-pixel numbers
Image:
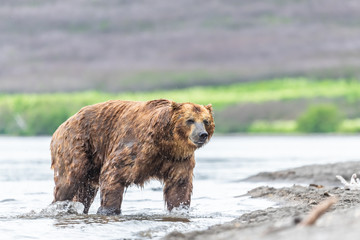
[{"x": 313, "y": 184}]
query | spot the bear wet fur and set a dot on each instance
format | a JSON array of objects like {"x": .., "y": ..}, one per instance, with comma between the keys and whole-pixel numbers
[{"x": 114, "y": 144}]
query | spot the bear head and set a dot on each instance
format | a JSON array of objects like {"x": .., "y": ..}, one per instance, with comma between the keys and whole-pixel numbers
[{"x": 194, "y": 125}]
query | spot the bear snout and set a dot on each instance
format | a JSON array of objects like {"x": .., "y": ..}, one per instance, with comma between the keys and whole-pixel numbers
[
  {"x": 199, "y": 138},
  {"x": 203, "y": 136}
]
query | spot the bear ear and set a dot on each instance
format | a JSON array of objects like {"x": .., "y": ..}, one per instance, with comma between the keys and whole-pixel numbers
[
  {"x": 209, "y": 107},
  {"x": 175, "y": 106}
]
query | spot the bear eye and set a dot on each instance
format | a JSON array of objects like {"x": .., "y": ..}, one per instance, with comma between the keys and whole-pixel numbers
[
  {"x": 190, "y": 121},
  {"x": 206, "y": 122}
]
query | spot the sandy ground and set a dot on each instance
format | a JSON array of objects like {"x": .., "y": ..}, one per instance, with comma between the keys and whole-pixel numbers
[{"x": 312, "y": 185}]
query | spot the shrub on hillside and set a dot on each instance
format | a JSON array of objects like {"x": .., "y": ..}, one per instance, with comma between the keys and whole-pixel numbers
[
  {"x": 320, "y": 119},
  {"x": 41, "y": 118},
  {"x": 44, "y": 120},
  {"x": 8, "y": 124}
]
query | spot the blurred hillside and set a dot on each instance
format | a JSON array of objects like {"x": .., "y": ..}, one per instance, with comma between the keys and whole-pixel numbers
[{"x": 122, "y": 45}]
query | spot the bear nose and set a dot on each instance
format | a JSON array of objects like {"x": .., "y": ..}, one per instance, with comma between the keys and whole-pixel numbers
[{"x": 203, "y": 135}]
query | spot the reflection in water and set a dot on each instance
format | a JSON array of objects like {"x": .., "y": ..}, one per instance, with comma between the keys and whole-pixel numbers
[
  {"x": 67, "y": 214},
  {"x": 70, "y": 220}
]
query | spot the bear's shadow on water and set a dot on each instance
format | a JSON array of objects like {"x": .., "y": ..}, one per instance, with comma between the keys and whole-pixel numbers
[
  {"x": 67, "y": 214},
  {"x": 71, "y": 220}
]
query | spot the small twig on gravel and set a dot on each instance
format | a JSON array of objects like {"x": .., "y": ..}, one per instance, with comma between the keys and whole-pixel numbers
[{"x": 318, "y": 211}]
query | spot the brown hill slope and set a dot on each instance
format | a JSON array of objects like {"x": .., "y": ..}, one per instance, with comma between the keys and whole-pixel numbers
[{"x": 141, "y": 45}]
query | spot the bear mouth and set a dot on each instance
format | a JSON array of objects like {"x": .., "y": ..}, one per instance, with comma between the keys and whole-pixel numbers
[{"x": 199, "y": 143}]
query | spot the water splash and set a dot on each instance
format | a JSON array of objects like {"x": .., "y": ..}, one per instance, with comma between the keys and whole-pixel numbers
[
  {"x": 56, "y": 209},
  {"x": 63, "y": 208}
]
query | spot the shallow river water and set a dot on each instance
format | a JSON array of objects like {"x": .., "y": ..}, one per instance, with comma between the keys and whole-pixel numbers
[{"x": 26, "y": 184}]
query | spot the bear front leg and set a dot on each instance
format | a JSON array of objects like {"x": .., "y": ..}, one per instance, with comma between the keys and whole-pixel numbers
[
  {"x": 177, "y": 191},
  {"x": 111, "y": 191},
  {"x": 111, "y": 198}
]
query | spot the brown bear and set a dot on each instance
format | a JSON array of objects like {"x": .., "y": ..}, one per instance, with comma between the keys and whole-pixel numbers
[{"x": 114, "y": 144}]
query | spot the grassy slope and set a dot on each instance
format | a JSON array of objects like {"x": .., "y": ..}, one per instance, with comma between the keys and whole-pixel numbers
[
  {"x": 219, "y": 96},
  {"x": 31, "y": 114}
]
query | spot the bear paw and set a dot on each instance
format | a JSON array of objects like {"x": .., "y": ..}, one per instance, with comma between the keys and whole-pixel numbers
[{"x": 108, "y": 211}]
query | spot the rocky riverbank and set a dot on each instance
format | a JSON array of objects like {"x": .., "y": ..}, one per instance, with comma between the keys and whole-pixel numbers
[{"x": 313, "y": 184}]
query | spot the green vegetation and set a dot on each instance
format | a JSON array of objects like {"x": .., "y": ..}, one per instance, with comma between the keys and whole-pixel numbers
[
  {"x": 272, "y": 127},
  {"x": 41, "y": 114},
  {"x": 320, "y": 119},
  {"x": 287, "y": 127},
  {"x": 350, "y": 126}
]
